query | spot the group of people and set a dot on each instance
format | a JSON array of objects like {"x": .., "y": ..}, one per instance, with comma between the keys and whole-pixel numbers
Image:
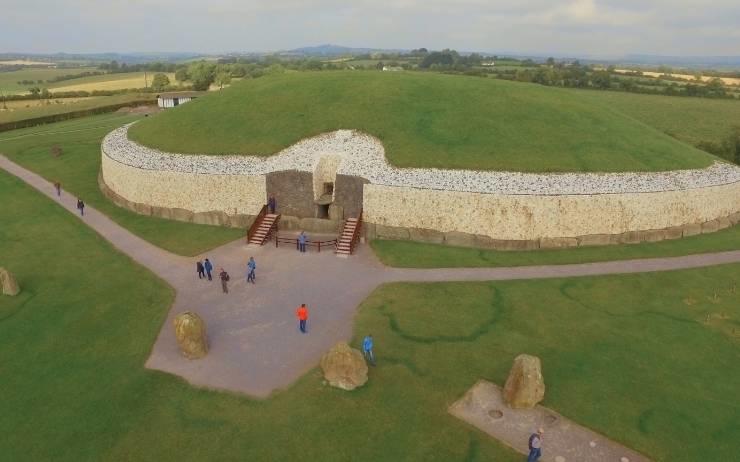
[{"x": 205, "y": 271}]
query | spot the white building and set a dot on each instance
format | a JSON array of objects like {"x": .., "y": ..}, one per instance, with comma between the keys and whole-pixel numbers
[{"x": 176, "y": 98}]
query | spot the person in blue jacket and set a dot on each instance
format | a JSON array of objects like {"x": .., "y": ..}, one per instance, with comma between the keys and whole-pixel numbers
[
  {"x": 367, "y": 349},
  {"x": 251, "y": 267},
  {"x": 208, "y": 267}
]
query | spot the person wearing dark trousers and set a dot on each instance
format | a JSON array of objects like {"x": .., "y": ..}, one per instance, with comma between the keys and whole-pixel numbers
[
  {"x": 81, "y": 207},
  {"x": 251, "y": 268},
  {"x": 208, "y": 267},
  {"x": 201, "y": 271},
  {"x": 302, "y": 239},
  {"x": 272, "y": 204},
  {"x": 224, "y": 280},
  {"x": 58, "y": 188},
  {"x": 302, "y": 315},
  {"x": 535, "y": 446}
]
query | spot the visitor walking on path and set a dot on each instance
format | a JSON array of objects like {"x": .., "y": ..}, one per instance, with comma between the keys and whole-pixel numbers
[
  {"x": 535, "y": 446},
  {"x": 208, "y": 267},
  {"x": 58, "y": 187},
  {"x": 251, "y": 267},
  {"x": 367, "y": 349},
  {"x": 272, "y": 204},
  {"x": 224, "y": 280},
  {"x": 302, "y": 314},
  {"x": 302, "y": 238},
  {"x": 81, "y": 207},
  {"x": 201, "y": 271}
]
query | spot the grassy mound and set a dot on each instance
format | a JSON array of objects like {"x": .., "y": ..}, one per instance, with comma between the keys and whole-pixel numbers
[{"x": 424, "y": 120}]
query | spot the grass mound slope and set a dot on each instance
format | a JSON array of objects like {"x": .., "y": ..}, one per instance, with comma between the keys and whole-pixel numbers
[{"x": 423, "y": 120}]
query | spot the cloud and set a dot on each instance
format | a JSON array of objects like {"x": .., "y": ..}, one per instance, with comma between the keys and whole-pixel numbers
[{"x": 527, "y": 26}]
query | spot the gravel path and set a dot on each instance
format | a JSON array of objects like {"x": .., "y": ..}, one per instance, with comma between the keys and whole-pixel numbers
[
  {"x": 364, "y": 156},
  {"x": 256, "y": 347}
]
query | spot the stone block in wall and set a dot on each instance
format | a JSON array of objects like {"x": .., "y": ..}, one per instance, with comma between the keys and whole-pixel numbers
[
  {"x": 368, "y": 230},
  {"x": 558, "y": 242},
  {"x": 724, "y": 222},
  {"x": 691, "y": 229},
  {"x": 181, "y": 215},
  {"x": 484, "y": 242},
  {"x": 734, "y": 218},
  {"x": 215, "y": 218},
  {"x": 241, "y": 221},
  {"x": 597, "y": 239},
  {"x": 674, "y": 232},
  {"x": 426, "y": 235},
  {"x": 652, "y": 235},
  {"x": 391, "y": 232},
  {"x": 630, "y": 237},
  {"x": 500, "y": 244},
  {"x": 321, "y": 226},
  {"x": 289, "y": 223},
  {"x": 459, "y": 239},
  {"x": 142, "y": 209},
  {"x": 709, "y": 226},
  {"x": 336, "y": 212}
]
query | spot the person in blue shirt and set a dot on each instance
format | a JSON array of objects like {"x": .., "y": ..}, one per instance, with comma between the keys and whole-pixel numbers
[
  {"x": 208, "y": 266},
  {"x": 302, "y": 238},
  {"x": 251, "y": 267},
  {"x": 367, "y": 349}
]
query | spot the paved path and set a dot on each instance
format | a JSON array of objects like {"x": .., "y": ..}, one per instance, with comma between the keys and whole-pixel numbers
[{"x": 255, "y": 344}]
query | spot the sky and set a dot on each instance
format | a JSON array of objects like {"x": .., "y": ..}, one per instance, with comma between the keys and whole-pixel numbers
[{"x": 568, "y": 27}]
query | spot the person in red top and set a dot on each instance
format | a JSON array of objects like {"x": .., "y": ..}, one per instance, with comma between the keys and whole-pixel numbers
[{"x": 302, "y": 314}]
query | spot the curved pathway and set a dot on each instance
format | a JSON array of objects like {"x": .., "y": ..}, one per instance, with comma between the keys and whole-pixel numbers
[{"x": 255, "y": 344}]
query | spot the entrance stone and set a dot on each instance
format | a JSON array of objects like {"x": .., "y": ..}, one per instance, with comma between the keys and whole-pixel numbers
[
  {"x": 525, "y": 386},
  {"x": 344, "y": 367},
  {"x": 8, "y": 283},
  {"x": 190, "y": 331}
]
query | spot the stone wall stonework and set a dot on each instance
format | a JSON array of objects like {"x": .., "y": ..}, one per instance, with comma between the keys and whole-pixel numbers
[{"x": 503, "y": 210}]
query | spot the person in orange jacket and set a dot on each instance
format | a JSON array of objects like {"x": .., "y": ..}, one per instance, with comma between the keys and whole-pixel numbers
[{"x": 302, "y": 314}]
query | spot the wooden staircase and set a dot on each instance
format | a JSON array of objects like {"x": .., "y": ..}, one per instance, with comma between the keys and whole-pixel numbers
[
  {"x": 349, "y": 237},
  {"x": 263, "y": 227}
]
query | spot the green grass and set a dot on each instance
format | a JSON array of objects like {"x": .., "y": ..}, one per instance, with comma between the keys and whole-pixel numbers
[
  {"x": 77, "y": 169},
  {"x": 9, "y": 80},
  {"x": 409, "y": 254},
  {"x": 691, "y": 120},
  {"x": 51, "y": 109},
  {"x": 424, "y": 120},
  {"x": 631, "y": 356}
]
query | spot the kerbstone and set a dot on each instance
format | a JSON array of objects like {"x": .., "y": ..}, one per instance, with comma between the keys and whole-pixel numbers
[
  {"x": 426, "y": 235},
  {"x": 391, "y": 232}
]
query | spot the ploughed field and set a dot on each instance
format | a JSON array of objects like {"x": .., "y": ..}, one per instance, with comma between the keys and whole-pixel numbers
[{"x": 423, "y": 120}]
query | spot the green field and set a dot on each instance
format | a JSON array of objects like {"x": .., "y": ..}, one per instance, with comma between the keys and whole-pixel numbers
[
  {"x": 408, "y": 254},
  {"x": 424, "y": 120},
  {"x": 77, "y": 169},
  {"x": 649, "y": 360},
  {"x": 691, "y": 120},
  {"x": 9, "y": 80},
  {"x": 39, "y": 109}
]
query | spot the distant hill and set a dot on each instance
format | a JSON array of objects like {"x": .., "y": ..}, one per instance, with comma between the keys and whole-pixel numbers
[{"x": 335, "y": 50}]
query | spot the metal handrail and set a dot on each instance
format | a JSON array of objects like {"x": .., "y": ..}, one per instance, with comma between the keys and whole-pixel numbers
[{"x": 317, "y": 244}]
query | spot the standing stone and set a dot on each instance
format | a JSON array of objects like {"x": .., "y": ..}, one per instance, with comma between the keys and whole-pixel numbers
[
  {"x": 190, "y": 331},
  {"x": 344, "y": 367},
  {"x": 8, "y": 283},
  {"x": 525, "y": 386}
]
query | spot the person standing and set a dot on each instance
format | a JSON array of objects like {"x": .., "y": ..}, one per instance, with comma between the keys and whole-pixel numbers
[
  {"x": 208, "y": 267},
  {"x": 58, "y": 187},
  {"x": 81, "y": 207},
  {"x": 367, "y": 349},
  {"x": 535, "y": 446},
  {"x": 200, "y": 269},
  {"x": 224, "y": 280},
  {"x": 272, "y": 204},
  {"x": 302, "y": 239},
  {"x": 302, "y": 315},
  {"x": 251, "y": 268}
]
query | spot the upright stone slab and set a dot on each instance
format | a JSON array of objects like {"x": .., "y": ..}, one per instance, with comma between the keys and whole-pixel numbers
[
  {"x": 344, "y": 367},
  {"x": 190, "y": 331},
  {"x": 8, "y": 283},
  {"x": 525, "y": 386}
]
